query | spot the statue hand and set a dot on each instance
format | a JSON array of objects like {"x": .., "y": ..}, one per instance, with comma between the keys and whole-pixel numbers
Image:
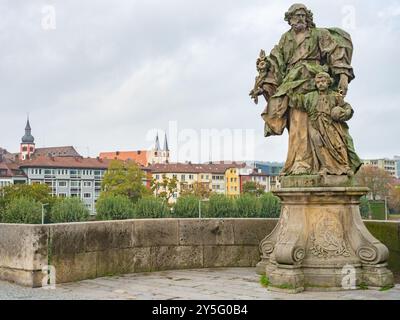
[
  {"x": 343, "y": 84},
  {"x": 254, "y": 96}
]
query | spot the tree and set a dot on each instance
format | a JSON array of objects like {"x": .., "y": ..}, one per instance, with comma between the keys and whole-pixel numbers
[
  {"x": 69, "y": 210},
  {"x": 377, "y": 180},
  {"x": 254, "y": 188},
  {"x": 38, "y": 192},
  {"x": 22, "y": 210},
  {"x": 126, "y": 179},
  {"x": 114, "y": 207},
  {"x": 394, "y": 200},
  {"x": 165, "y": 188},
  {"x": 198, "y": 189}
]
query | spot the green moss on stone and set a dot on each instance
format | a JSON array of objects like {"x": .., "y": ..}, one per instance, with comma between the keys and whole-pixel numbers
[{"x": 264, "y": 280}]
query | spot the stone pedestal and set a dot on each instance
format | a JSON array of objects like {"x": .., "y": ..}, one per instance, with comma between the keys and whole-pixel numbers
[{"x": 320, "y": 241}]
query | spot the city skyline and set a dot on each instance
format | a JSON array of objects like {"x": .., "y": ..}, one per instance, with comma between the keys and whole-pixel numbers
[{"x": 97, "y": 80}]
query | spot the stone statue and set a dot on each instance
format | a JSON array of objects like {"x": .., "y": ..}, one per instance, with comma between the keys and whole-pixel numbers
[
  {"x": 320, "y": 241},
  {"x": 302, "y": 52},
  {"x": 331, "y": 145}
]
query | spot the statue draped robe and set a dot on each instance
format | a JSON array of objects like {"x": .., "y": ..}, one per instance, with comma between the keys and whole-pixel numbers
[{"x": 293, "y": 68}]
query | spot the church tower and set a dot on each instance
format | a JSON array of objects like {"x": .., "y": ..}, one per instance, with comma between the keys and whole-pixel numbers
[{"x": 27, "y": 147}]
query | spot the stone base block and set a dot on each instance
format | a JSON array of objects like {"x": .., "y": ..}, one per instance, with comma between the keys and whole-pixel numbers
[
  {"x": 287, "y": 279},
  {"x": 377, "y": 277}
]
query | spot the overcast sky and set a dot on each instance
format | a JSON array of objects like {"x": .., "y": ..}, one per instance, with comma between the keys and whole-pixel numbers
[{"x": 103, "y": 75}]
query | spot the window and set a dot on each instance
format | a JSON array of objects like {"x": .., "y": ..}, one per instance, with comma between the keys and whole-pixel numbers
[
  {"x": 190, "y": 177},
  {"x": 175, "y": 176},
  {"x": 157, "y": 176},
  {"x": 97, "y": 172},
  {"x": 183, "y": 177},
  {"x": 87, "y": 183},
  {"x": 75, "y": 183},
  {"x": 87, "y": 195},
  {"x": 62, "y": 183},
  {"x": 62, "y": 195},
  {"x": 207, "y": 177},
  {"x": 47, "y": 171},
  {"x": 97, "y": 184}
]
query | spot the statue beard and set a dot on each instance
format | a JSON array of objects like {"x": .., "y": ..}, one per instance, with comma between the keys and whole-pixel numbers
[{"x": 298, "y": 27}]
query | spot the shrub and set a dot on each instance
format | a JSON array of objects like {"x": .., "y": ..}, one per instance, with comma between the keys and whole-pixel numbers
[
  {"x": 69, "y": 210},
  {"x": 37, "y": 192},
  {"x": 151, "y": 207},
  {"x": 23, "y": 210},
  {"x": 187, "y": 207},
  {"x": 270, "y": 206},
  {"x": 220, "y": 206},
  {"x": 248, "y": 206},
  {"x": 114, "y": 207}
]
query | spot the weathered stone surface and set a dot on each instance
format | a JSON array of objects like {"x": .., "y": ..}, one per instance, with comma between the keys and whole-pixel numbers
[
  {"x": 67, "y": 238},
  {"x": 156, "y": 232},
  {"x": 75, "y": 267},
  {"x": 23, "y": 246},
  {"x": 206, "y": 232},
  {"x": 110, "y": 234},
  {"x": 252, "y": 231},
  {"x": 176, "y": 257},
  {"x": 228, "y": 256},
  {"x": 122, "y": 261},
  {"x": 22, "y": 277}
]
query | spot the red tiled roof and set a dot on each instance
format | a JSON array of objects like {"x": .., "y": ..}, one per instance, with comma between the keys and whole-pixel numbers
[
  {"x": 65, "y": 162},
  {"x": 218, "y": 168},
  {"x": 66, "y": 151},
  {"x": 10, "y": 169}
]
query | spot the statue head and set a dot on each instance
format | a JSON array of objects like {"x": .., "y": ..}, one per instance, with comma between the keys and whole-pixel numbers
[
  {"x": 323, "y": 81},
  {"x": 299, "y": 17}
]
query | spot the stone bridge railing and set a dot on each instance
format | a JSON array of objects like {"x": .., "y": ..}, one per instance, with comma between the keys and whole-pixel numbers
[{"x": 87, "y": 250}]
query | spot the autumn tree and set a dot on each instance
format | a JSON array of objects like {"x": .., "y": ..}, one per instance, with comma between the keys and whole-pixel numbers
[
  {"x": 377, "y": 180},
  {"x": 124, "y": 178},
  {"x": 165, "y": 188},
  {"x": 394, "y": 199},
  {"x": 254, "y": 188},
  {"x": 197, "y": 189}
]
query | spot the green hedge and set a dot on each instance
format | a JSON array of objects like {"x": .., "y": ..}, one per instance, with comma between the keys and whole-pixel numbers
[
  {"x": 22, "y": 210},
  {"x": 151, "y": 207},
  {"x": 187, "y": 207},
  {"x": 114, "y": 207},
  {"x": 69, "y": 210},
  {"x": 270, "y": 206},
  {"x": 377, "y": 209}
]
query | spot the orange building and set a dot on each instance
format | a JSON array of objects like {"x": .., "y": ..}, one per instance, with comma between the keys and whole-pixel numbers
[
  {"x": 139, "y": 156},
  {"x": 142, "y": 157}
]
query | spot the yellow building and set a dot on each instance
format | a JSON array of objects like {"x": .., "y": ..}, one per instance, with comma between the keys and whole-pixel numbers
[{"x": 232, "y": 182}]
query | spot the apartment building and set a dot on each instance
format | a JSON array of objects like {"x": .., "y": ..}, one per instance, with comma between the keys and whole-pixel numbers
[
  {"x": 389, "y": 165},
  {"x": 213, "y": 176},
  {"x": 68, "y": 176}
]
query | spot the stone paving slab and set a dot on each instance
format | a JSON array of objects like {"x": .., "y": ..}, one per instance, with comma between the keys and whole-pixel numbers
[{"x": 198, "y": 284}]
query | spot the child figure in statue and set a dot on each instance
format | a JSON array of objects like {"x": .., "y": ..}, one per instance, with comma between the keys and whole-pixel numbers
[{"x": 332, "y": 146}]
